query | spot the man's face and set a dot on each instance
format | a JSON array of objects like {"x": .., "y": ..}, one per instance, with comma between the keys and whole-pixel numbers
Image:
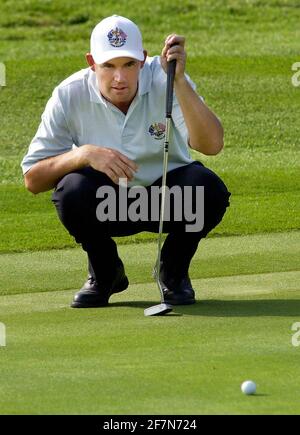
[{"x": 118, "y": 80}]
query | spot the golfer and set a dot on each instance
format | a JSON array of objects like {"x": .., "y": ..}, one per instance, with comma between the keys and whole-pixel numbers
[{"x": 106, "y": 124}]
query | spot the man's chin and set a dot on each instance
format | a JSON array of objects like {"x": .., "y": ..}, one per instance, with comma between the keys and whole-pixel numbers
[{"x": 121, "y": 98}]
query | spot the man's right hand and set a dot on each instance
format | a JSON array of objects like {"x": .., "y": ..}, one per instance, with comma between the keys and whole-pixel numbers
[
  {"x": 113, "y": 163},
  {"x": 45, "y": 174}
]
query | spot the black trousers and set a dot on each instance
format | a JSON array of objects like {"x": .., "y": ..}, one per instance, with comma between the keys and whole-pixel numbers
[{"x": 76, "y": 203}]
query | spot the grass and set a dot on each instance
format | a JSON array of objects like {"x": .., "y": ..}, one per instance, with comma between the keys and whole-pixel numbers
[
  {"x": 57, "y": 360},
  {"x": 97, "y": 368},
  {"x": 242, "y": 66},
  {"x": 107, "y": 361},
  {"x": 218, "y": 257}
]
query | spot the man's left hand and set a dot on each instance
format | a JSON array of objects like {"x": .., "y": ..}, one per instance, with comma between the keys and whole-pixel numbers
[{"x": 174, "y": 49}]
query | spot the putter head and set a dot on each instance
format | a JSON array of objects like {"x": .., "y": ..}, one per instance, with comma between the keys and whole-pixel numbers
[{"x": 158, "y": 310}]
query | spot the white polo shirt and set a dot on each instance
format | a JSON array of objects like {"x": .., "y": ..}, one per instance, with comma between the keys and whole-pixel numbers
[{"x": 77, "y": 114}]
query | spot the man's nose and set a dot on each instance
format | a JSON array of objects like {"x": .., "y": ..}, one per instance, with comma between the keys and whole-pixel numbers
[{"x": 118, "y": 75}]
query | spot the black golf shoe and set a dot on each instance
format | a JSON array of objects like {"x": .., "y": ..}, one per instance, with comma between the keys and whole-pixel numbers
[
  {"x": 177, "y": 290},
  {"x": 92, "y": 295}
]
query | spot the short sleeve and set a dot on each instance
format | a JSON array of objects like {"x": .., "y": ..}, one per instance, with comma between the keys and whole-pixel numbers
[{"x": 52, "y": 137}]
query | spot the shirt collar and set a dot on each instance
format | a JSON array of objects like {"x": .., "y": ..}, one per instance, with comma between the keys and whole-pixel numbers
[
  {"x": 145, "y": 81},
  {"x": 95, "y": 96}
]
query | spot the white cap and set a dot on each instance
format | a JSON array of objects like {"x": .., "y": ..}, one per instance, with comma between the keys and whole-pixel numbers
[{"x": 116, "y": 36}]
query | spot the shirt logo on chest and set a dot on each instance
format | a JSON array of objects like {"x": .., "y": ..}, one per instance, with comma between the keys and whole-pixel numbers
[
  {"x": 117, "y": 37},
  {"x": 157, "y": 130}
]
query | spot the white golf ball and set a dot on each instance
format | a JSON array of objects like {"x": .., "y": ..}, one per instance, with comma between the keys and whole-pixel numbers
[{"x": 248, "y": 387}]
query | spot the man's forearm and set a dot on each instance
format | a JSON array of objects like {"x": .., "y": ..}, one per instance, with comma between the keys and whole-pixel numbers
[
  {"x": 45, "y": 174},
  {"x": 205, "y": 130}
]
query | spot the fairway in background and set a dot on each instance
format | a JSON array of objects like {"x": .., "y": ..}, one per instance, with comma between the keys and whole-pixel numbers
[{"x": 240, "y": 55}]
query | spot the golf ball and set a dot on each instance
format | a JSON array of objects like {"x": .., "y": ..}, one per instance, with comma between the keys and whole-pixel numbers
[{"x": 248, "y": 387}]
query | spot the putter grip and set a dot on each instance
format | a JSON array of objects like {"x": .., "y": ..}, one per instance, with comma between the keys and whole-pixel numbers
[{"x": 170, "y": 84}]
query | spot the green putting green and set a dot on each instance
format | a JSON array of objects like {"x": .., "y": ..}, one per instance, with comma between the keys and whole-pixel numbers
[{"x": 116, "y": 361}]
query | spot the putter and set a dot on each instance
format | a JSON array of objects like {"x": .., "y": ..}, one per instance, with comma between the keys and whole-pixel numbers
[{"x": 163, "y": 308}]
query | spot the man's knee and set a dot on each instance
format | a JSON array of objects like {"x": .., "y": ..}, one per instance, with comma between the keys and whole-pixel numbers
[
  {"x": 216, "y": 202},
  {"x": 71, "y": 191},
  {"x": 76, "y": 203},
  {"x": 204, "y": 197},
  {"x": 77, "y": 189},
  {"x": 216, "y": 196}
]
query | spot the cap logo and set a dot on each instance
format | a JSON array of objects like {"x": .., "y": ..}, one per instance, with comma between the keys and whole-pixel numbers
[
  {"x": 157, "y": 129},
  {"x": 117, "y": 37}
]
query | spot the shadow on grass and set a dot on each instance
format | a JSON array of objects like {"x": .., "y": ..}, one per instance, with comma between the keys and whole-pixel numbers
[{"x": 228, "y": 308}]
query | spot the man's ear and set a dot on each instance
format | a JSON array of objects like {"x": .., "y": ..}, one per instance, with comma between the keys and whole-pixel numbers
[
  {"x": 145, "y": 57},
  {"x": 90, "y": 60}
]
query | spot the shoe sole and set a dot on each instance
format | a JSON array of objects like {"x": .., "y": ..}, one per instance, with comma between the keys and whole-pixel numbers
[
  {"x": 78, "y": 305},
  {"x": 180, "y": 302}
]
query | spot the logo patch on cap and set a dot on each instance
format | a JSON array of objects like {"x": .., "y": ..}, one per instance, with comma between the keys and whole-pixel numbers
[
  {"x": 157, "y": 129},
  {"x": 117, "y": 37}
]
